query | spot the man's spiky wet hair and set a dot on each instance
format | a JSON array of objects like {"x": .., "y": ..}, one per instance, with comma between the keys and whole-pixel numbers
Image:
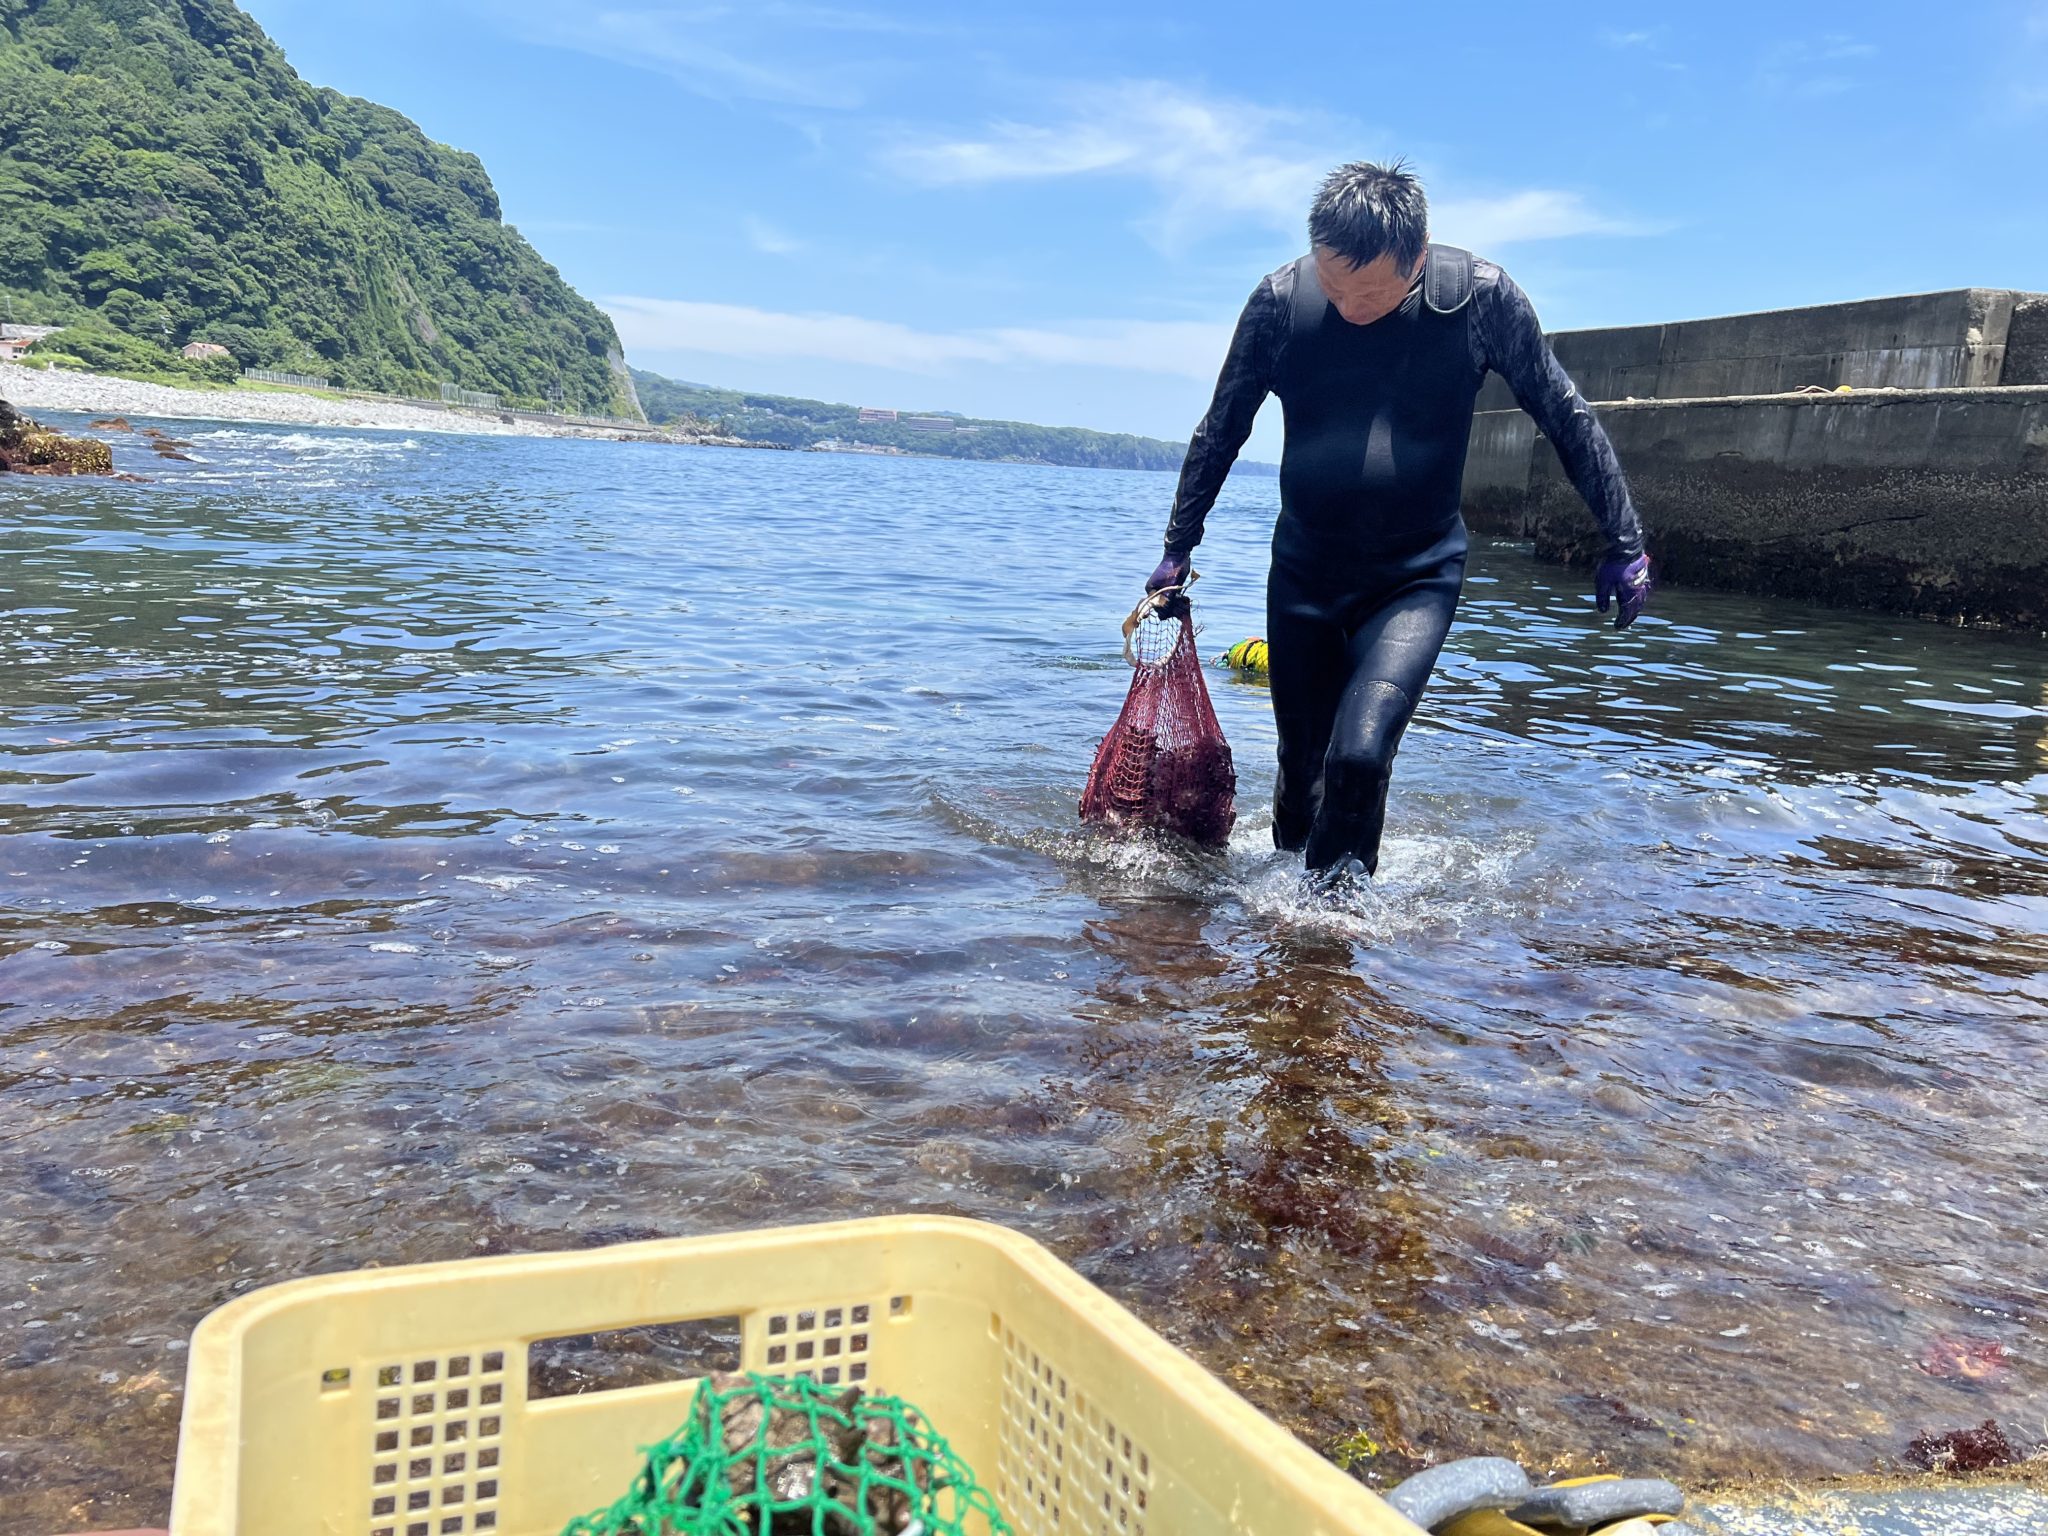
[{"x": 1363, "y": 211}]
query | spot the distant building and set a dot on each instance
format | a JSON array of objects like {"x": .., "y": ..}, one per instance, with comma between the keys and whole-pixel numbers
[
  {"x": 872, "y": 413},
  {"x": 204, "y": 349},
  {"x": 15, "y": 340},
  {"x": 931, "y": 423}
]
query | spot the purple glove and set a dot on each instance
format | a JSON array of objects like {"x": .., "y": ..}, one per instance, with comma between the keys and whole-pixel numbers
[
  {"x": 1626, "y": 579},
  {"x": 1170, "y": 572}
]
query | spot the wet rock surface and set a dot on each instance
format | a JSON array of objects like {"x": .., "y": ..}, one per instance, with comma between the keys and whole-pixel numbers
[
  {"x": 29, "y": 448},
  {"x": 1964, "y": 1450}
]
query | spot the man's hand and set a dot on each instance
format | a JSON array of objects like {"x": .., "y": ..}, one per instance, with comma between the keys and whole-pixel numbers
[
  {"x": 1626, "y": 579},
  {"x": 1170, "y": 572}
]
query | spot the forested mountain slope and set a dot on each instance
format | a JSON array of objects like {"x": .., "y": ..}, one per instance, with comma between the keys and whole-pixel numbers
[{"x": 163, "y": 171}]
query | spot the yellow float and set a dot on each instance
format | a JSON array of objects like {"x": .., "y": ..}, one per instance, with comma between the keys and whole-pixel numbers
[{"x": 1247, "y": 656}]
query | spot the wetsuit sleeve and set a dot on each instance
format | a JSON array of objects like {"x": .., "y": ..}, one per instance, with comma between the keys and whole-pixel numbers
[
  {"x": 1241, "y": 388},
  {"x": 1516, "y": 350}
]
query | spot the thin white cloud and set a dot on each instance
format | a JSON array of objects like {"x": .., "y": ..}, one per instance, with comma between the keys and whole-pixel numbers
[
  {"x": 1213, "y": 163},
  {"x": 1648, "y": 43},
  {"x": 775, "y": 52},
  {"x": 677, "y": 43},
  {"x": 1482, "y": 223},
  {"x": 840, "y": 18},
  {"x": 1209, "y": 160},
  {"x": 1187, "y": 349},
  {"x": 1812, "y": 69},
  {"x": 767, "y": 239}
]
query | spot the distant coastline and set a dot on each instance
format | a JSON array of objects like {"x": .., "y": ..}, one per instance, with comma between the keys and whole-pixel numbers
[
  {"x": 33, "y": 389},
  {"x": 788, "y": 421}
]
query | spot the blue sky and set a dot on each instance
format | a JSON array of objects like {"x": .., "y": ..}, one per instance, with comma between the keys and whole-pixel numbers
[{"x": 1053, "y": 211}]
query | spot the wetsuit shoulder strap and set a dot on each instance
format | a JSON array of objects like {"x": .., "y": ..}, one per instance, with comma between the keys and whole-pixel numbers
[
  {"x": 1447, "y": 279},
  {"x": 1306, "y": 306}
]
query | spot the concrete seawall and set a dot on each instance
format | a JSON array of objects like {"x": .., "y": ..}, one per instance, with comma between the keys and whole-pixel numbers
[
  {"x": 2026, "y": 346},
  {"x": 1922, "y": 489},
  {"x": 1932, "y": 503},
  {"x": 1953, "y": 340}
]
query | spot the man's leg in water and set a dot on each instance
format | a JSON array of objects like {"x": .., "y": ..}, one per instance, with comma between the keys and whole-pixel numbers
[
  {"x": 1309, "y": 667},
  {"x": 1391, "y": 656}
]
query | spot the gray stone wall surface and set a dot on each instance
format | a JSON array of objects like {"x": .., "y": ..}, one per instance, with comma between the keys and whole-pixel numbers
[
  {"x": 1932, "y": 503},
  {"x": 2026, "y": 341}
]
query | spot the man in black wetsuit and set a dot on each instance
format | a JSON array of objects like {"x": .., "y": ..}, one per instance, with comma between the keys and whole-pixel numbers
[{"x": 1376, "y": 343}]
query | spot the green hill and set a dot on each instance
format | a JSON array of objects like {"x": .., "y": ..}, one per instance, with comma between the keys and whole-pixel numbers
[
  {"x": 164, "y": 172},
  {"x": 804, "y": 423}
]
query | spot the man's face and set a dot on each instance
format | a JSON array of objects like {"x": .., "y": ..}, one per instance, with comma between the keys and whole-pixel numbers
[{"x": 1368, "y": 293}]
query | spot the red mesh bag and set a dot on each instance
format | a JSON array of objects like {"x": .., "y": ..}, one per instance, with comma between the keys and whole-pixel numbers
[{"x": 1164, "y": 765}]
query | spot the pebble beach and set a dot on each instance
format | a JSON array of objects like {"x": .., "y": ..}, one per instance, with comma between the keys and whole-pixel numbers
[{"x": 34, "y": 389}]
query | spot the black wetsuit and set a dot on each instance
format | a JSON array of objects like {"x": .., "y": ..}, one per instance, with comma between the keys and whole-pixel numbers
[{"x": 1369, "y": 550}]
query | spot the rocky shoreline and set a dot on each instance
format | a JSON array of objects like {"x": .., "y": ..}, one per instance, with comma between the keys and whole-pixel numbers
[
  {"x": 29, "y": 448},
  {"x": 38, "y": 389}
]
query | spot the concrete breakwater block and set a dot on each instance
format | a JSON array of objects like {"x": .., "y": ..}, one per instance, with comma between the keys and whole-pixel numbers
[{"x": 1931, "y": 503}]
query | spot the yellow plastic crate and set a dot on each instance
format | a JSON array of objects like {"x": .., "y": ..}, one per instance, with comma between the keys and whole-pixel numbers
[{"x": 394, "y": 1402}]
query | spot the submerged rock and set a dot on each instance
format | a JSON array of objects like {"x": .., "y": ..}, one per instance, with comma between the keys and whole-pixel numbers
[
  {"x": 1963, "y": 1450},
  {"x": 29, "y": 448},
  {"x": 1955, "y": 1357}
]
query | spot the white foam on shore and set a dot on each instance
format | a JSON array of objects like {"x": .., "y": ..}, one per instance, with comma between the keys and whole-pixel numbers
[
  {"x": 1430, "y": 883},
  {"x": 307, "y": 445}
]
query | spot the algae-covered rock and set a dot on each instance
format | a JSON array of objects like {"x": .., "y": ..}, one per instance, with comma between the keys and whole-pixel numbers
[{"x": 29, "y": 448}]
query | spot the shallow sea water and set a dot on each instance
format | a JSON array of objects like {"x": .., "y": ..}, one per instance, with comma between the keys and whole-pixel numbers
[{"x": 412, "y": 848}]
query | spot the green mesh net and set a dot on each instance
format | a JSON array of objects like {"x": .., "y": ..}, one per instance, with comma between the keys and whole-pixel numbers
[{"x": 769, "y": 1456}]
